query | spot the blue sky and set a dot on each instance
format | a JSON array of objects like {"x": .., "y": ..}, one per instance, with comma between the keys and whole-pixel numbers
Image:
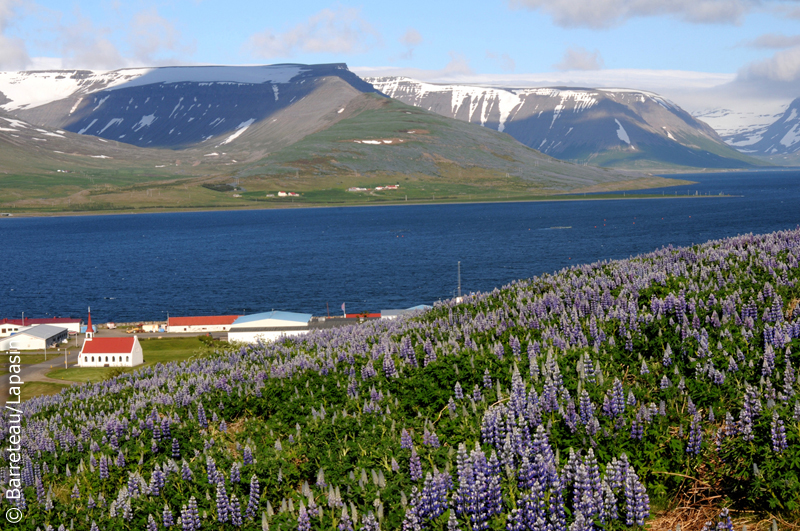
[{"x": 746, "y": 40}]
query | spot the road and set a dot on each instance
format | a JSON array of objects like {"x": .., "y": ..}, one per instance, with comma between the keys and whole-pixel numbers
[{"x": 35, "y": 373}]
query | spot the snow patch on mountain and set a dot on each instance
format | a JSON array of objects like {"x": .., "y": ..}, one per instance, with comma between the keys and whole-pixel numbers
[
  {"x": 241, "y": 128},
  {"x": 144, "y": 122},
  {"x": 792, "y": 137},
  {"x": 622, "y": 134}
]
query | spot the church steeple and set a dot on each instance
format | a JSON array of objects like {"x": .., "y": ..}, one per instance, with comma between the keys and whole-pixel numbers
[{"x": 89, "y": 332}]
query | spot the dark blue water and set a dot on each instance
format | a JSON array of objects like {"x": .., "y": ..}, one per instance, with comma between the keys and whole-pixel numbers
[{"x": 137, "y": 267}]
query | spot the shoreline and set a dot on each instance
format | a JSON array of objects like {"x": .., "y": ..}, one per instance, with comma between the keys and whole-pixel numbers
[
  {"x": 594, "y": 193},
  {"x": 591, "y": 193}
]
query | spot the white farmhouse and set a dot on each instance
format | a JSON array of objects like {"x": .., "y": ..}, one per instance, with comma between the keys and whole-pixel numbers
[
  {"x": 111, "y": 352},
  {"x": 268, "y": 326}
]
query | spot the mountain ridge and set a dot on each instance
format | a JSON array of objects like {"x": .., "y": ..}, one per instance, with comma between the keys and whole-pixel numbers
[{"x": 615, "y": 127}]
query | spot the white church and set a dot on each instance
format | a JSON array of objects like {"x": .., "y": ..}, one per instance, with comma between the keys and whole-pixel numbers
[{"x": 109, "y": 351}]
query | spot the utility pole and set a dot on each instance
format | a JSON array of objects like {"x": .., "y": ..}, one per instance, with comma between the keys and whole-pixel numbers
[{"x": 459, "y": 278}]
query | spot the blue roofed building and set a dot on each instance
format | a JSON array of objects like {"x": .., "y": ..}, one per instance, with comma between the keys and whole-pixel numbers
[{"x": 268, "y": 326}]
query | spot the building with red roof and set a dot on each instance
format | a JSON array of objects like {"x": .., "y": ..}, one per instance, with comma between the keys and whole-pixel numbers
[
  {"x": 203, "y": 323},
  {"x": 111, "y": 352}
]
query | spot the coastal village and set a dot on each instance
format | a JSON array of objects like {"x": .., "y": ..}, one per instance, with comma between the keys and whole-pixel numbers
[{"x": 117, "y": 344}]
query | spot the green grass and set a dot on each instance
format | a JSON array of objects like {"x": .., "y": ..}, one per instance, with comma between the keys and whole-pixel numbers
[
  {"x": 155, "y": 351},
  {"x": 34, "y": 389}
]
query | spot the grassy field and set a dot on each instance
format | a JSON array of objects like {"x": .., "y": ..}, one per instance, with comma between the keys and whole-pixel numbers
[
  {"x": 34, "y": 389},
  {"x": 155, "y": 351}
]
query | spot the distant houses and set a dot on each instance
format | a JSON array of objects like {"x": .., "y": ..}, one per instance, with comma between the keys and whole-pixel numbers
[{"x": 377, "y": 188}]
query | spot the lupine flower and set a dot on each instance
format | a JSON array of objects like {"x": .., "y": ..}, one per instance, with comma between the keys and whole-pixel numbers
[
  {"x": 778, "y": 434},
  {"x": 415, "y": 465}
]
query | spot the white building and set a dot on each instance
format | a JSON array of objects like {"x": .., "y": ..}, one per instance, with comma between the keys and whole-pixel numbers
[
  {"x": 12, "y": 326},
  {"x": 111, "y": 352},
  {"x": 38, "y": 337},
  {"x": 268, "y": 326},
  {"x": 394, "y": 314},
  {"x": 203, "y": 323}
]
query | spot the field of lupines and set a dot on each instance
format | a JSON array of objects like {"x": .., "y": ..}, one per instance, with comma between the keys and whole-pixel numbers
[{"x": 588, "y": 399}]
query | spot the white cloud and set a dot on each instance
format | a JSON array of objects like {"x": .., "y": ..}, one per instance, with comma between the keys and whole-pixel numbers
[
  {"x": 151, "y": 35},
  {"x": 13, "y": 55},
  {"x": 84, "y": 45},
  {"x": 339, "y": 31},
  {"x": 606, "y": 13},
  {"x": 774, "y": 41},
  {"x": 411, "y": 38},
  {"x": 783, "y": 67},
  {"x": 504, "y": 61},
  {"x": 580, "y": 59}
]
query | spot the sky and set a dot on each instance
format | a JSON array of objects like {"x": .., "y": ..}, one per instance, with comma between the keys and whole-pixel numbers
[{"x": 751, "y": 48}]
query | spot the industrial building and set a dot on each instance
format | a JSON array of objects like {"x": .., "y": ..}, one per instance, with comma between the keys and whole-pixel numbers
[
  {"x": 12, "y": 326},
  {"x": 268, "y": 326},
  {"x": 38, "y": 337}
]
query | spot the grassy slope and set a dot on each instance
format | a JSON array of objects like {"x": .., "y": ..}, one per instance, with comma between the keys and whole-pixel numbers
[
  {"x": 460, "y": 161},
  {"x": 287, "y": 401}
]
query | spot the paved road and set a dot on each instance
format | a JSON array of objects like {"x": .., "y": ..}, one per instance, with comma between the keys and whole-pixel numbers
[{"x": 37, "y": 372}]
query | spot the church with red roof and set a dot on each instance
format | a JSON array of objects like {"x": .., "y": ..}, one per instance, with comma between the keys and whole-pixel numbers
[{"x": 109, "y": 351}]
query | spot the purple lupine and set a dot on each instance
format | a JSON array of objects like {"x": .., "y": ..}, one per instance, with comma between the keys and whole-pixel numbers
[
  {"x": 303, "y": 521},
  {"x": 222, "y": 502},
  {"x": 166, "y": 517},
  {"x": 778, "y": 434},
  {"x": 430, "y": 438},
  {"x": 176, "y": 449},
  {"x": 345, "y": 523},
  {"x": 211, "y": 470},
  {"x": 458, "y": 392},
  {"x": 201, "y": 416},
  {"x": 637, "y": 503},
  {"x": 405, "y": 440},
  {"x": 389, "y": 368},
  {"x": 253, "y": 500},
  {"x": 487, "y": 379},
  {"x": 247, "y": 455},
  {"x": 186, "y": 472},
  {"x": 235, "y": 474},
  {"x": 151, "y": 523},
  {"x": 415, "y": 466},
  {"x": 695, "y": 436}
]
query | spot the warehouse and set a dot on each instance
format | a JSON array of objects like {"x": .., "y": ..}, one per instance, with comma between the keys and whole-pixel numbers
[
  {"x": 12, "y": 326},
  {"x": 38, "y": 337},
  {"x": 203, "y": 323},
  {"x": 111, "y": 352},
  {"x": 268, "y": 326}
]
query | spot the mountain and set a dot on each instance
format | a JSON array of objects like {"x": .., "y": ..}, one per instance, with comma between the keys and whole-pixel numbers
[
  {"x": 178, "y": 107},
  {"x": 779, "y": 141},
  {"x": 189, "y": 137},
  {"x": 603, "y": 127}
]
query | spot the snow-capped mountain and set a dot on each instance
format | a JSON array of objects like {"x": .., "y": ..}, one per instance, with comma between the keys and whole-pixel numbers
[
  {"x": 781, "y": 137},
  {"x": 175, "y": 107},
  {"x": 599, "y": 126}
]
